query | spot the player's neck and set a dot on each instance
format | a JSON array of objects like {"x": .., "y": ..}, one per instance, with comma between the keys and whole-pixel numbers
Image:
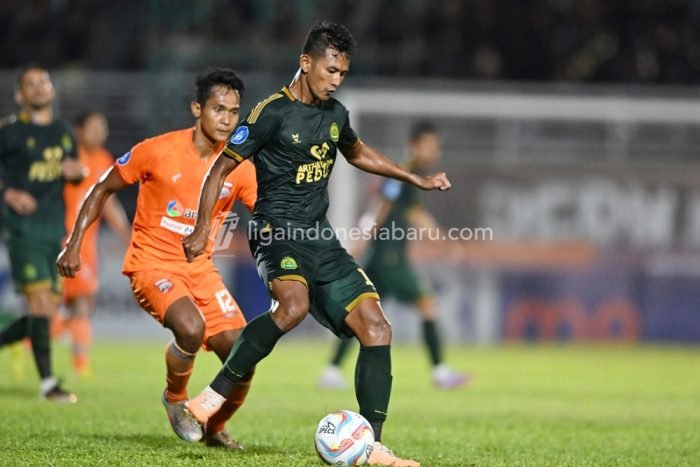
[
  {"x": 43, "y": 116},
  {"x": 301, "y": 91},
  {"x": 204, "y": 146}
]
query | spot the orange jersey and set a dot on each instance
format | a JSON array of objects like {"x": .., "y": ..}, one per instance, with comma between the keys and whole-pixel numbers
[
  {"x": 96, "y": 162},
  {"x": 171, "y": 173}
]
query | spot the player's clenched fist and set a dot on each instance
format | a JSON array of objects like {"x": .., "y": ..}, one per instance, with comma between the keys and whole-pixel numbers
[
  {"x": 68, "y": 262},
  {"x": 194, "y": 244}
]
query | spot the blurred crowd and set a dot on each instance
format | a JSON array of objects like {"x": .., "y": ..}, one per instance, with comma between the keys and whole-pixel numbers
[{"x": 638, "y": 41}]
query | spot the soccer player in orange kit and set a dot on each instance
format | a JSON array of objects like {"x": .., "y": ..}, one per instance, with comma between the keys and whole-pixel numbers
[
  {"x": 190, "y": 299},
  {"x": 91, "y": 131}
]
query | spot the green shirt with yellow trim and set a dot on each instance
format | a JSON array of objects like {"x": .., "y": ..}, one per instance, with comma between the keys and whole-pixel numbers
[
  {"x": 294, "y": 147},
  {"x": 390, "y": 250},
  {"x": 30, "y": 160}
]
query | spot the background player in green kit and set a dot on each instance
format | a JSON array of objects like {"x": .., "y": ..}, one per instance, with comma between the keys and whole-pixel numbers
[
  {"x": 293, "y": 136},
  {"x": 387, "y": 262},
  {"x": 37, "y": 156}
]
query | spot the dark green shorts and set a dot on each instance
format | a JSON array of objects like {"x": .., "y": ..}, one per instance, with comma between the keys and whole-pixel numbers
[
  {"x": 397, "y": 280},
  {"x": 33, "y": 263},
  {"x": 336, "y": 283}
]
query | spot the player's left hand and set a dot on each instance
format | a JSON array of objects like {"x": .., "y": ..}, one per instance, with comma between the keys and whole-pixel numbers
[
  {"x": 436, "y": 181},
  {"x": 194, "y": 244}
]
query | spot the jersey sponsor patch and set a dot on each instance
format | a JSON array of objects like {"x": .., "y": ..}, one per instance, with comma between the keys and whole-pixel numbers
[
  {"x": 124, "y": 159},
  {"x": 391, "y": 189},
  {"x": 174, "y": 226},
  {"x": 240, "y": 135},
  {"x": 174, "y": 209}
]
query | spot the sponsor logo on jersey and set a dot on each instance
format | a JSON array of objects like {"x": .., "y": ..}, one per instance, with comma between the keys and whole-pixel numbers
[
  {"x": 288, "y": 263},
  {"x": 174, "y": 226},
  {"x": 31, "y": 142},
  {"x": 124, "y": 159},
  {"x": 320, "y": 151},
  {"x": 164, "y": 285},
  {"x": 295, "y": 138},
  {"x": 335, "y": 134},
  {"x": 240, "y": 135},
  {"x": 314, "y": 172},
  {"x": 67, "y": 142},
  {"x": 174, "y": 209}
]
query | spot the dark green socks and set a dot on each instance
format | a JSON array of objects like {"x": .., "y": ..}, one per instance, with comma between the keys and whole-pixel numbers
[
  {"x": 432, "y": 341},
  {"x": 341, "y": 350},
  {"x": 38, "y": 332},
  {"x": 373, "y": 385},
  {"x": 15, "y": 331},
  {"x": 255, "y": 343}
]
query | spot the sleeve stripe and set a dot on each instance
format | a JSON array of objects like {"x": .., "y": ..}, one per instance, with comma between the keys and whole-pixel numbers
[
  {"x": 233, "y": 154},
  {"x": 255, "y": 113}
]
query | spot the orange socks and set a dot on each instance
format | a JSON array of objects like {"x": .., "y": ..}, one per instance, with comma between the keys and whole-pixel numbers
[
  {"x": 235, "y": 399},
  {"x": 82, "y": 338},
  {"x": 179, "y": 364}
]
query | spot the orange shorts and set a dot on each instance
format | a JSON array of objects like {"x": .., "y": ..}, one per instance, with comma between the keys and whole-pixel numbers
[
  {"x": 85, "y": 281},
  {"x": 155, "y": 290}
]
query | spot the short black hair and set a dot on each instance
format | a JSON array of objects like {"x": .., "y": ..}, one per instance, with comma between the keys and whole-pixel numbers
[
  {"x": 216, "y": 76},
  {"x": 22, "y": 70},
  {"x": 328, "y": 35},
  {"x": 422, "y": 127},
  {"x": 83, "y": 117}
]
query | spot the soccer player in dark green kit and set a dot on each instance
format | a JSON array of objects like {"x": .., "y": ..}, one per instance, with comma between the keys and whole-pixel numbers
[
  {"x": 388, "y": 265},
  {"x": 293, "y": 136},
  {"x": 37, "y": 156}
]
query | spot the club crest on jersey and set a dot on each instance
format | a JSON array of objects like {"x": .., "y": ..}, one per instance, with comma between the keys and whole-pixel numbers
[
  {"x": 164, "y": 285},
  {"x": 67, "y": 143},
  {"x": 124, "y": 159},
  {"x": 288, "y": 263},
  {"x": 240, "y": 135},
  {"x": 335, "y": 133}
]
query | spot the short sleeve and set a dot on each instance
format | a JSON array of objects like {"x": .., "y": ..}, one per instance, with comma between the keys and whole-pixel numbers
[
  {"x": 132, "y": 165},
  {"x": 348, "y": 137},
  {"x": 251, "y": 134},
  {"x": 391, "y": 189}
]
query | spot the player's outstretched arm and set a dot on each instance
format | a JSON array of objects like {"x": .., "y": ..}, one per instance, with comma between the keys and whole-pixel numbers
[
  {"x": 68, "y": 262},
  {"x": 366, "y": 158},
  {"x": 195, "y": 243}
]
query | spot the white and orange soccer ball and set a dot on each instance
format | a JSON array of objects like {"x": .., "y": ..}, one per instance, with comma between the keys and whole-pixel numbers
[{"x": 344, "y": 438}]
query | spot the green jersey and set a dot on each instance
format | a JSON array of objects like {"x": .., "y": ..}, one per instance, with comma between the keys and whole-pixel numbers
[
  {"x": 294, "y": 148},
  {"x": 30, "y": 160},
  {"x": 403, "y": 198}
]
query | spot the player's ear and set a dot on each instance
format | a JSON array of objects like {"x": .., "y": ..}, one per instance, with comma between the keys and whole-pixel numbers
[
  {"x": 305, "y": 63},
  {"x": 196, "y": 109}
]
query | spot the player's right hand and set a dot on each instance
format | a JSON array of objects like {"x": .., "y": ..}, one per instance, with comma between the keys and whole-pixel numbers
[
  {"x": 194, "y": 243},
  {"x": 68, "y": 261},
  {"x": 20, "y": 201}
]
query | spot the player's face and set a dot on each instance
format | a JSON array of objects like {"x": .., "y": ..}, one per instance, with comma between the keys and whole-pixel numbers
[
  {"x": 35, "y": 89},
  {"x": 219, "y": 115},
  {"x": 426, "y": 150},
  {"x": 94, "y": 131},
  {"x": 325, "y": 73}
]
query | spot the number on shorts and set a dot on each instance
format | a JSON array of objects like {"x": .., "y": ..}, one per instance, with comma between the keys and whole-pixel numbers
[
  {"x": 226, "y": 302},
  {"x": 367, "y": 281}
]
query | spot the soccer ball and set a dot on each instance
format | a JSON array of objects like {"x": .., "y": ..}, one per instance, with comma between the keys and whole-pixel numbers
[{"x": 344, "y": 438}]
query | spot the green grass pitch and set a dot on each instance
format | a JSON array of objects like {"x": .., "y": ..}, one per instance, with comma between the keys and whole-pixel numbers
[{"x": 535, "y": 406}]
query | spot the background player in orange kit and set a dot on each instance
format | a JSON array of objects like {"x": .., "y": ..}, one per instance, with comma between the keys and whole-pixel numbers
[
  {"x": 190, "y": 299},
  {"x": 91, "y": 131}
]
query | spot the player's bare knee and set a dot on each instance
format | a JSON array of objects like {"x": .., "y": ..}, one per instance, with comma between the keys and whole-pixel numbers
[
  {"x": 189, "y": 334},
  {"x": 291, "y": 312},
  {"x": 377, "y": 332}
]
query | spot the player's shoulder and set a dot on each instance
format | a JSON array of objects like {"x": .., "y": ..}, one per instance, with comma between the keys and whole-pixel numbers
[
  {"x": 8, "y": 121},
  {"x": 62, "y": 126},
  {"x": 163, "y": 142},
  {"x": 273, "y": 105}
]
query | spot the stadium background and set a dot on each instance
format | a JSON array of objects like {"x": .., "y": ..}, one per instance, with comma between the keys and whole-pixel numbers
[{"x": 570, "y": 129}]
